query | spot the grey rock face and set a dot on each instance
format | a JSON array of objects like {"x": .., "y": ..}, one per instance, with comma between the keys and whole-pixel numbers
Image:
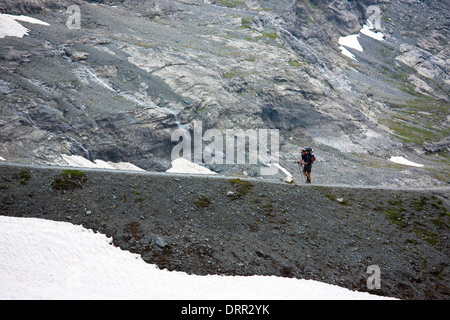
[{"x": 137, "y": 70}]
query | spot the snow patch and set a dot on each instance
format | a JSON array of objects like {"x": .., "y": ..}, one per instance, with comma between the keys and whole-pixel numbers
[
  {"x": 288, "y": 176},
  {"x": 402, "y": 160},
  {"x": 352, "y": 41},
  {"x": 44, "y": 259},
  {"x": 182, "y": 165},
  {"x": 28, "y": 19},
  {"x": 347, "y": 53},
  {"x": 368, "y": 31},
  {"x": 2, "y": 159},
  {"x": 78, "y": 161},
  {"x": 9, "y": 27}
]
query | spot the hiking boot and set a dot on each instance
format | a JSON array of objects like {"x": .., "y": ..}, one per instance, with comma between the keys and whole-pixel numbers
[{"x": 308, "y": 181}]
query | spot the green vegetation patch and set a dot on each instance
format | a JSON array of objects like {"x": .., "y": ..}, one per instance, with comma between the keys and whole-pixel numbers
[
  {"x": 419, "y": 121},
  {"x": 296, "y": 64},
  {"x": 395, "y": 217},
  {"x": 69, "y": 180},
  {"x": 427, "y": 235},
  {"x": 340, "y": 199},
  {"x": 230, "y": 3},
  {"x": 245, "y": 23},
  {"x": 271, "y": 35},
  {"x": 24, "y": 177},
  {"x": 420, "y": 203},
  {"x": 242, "y": 187},
  {"x": 202, "y": 202}
]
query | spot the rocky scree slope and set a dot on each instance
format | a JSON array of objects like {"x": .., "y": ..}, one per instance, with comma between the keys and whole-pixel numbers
[
  {"x": 221, "y": 225},
  {"x": 136, "y": 70}
]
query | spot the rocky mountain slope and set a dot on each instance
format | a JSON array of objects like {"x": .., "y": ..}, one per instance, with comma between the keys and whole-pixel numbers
[
  {"x": 219, "y": 225},
  {"x": 116, "y": 88}
]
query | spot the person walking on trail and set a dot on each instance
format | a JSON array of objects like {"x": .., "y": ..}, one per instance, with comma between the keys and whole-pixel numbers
[{"x": 307, "y": 160}]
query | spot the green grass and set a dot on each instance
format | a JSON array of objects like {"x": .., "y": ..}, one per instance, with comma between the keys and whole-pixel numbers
[
  {"x": 295, "y": 64},
  {"x": 427, "y": 235},
  {"x": 271, "y": 35},
  {"x": 25, "y": 176},
  {"x": 229, "y": 75},
  {"x": 419, "y": 204},
  {"x": 229, "y": 3},
  {"x": 245, "y": 23},
  {"x": 242, "y": 187},
  {"x": 340, "y": 200},
  {"x": 395, "y": 217},
  {"x": 330, "y": 196},
  {"x": 69, "y": 180},
  {"x": 414, "y": 132},
  {"x": 202, "y": 202},
  {"x": 419, "y": 120}
]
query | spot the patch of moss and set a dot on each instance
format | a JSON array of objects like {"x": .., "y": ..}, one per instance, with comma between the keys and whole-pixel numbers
[
  {"x": 340, "y": 200},
  {"x": 202, "y": 202},
  {"x": 427, "y": 235},
  {"x": 24, "y": 176},
  {"x": 438, "y": 222},
  {"x": 69, "y": 180},
  {"x": 242, "y": 187},
  {"x": 295, "y": 64},
  {"x": 229, "y": 3},
  {"x": 229, "y": 75},
  {"x": 330, "y": 196},
  {"x": 245, "y": 23},
  {"x": 420, "y": 203},
  {"x": 271, "y": 35},
  {"x": 395, "y": 217},
  {"x": 418, "y": 121}
]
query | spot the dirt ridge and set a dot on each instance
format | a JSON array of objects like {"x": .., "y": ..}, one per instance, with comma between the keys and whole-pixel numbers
[{"x": 236, "y": 226}]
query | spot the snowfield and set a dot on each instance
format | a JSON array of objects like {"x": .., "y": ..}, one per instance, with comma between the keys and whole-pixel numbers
[
  {"x": 352, "y": 41},
  {"x": 402, "y": 160},
  {"x": 181, "y": 165},
  {"x": 9, "y": 27},
  {"x": 43, "y": 259},
  {"x": 80, "y": 162}
]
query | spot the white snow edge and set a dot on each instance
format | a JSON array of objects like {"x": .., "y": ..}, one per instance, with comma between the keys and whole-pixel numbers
[
  {"x": 80, "y": 162},
  {"x": 288, "y": 176},
  {"x": 9, "y": 27},
  {"x": 181, "y": 165},
  {"x": 352, "y": 41},
  {"x": 402, "y": 160},
  {"x": 44, "y": 259}
]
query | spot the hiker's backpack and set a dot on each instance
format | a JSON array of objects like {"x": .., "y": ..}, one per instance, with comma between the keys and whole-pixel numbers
[{"x": 312, "y": 157}]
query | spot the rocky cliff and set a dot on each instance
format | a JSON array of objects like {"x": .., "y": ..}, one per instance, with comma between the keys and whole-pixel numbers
[{"x": 359, "y": 81}]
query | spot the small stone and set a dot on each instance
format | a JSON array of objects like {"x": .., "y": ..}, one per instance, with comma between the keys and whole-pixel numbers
[
  {"x": 78, "y": 56},
  {"x": 160, "y": 242}
]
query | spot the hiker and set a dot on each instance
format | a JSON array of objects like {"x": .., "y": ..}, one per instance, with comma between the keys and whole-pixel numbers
[{"x": 307, "y": 160}]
